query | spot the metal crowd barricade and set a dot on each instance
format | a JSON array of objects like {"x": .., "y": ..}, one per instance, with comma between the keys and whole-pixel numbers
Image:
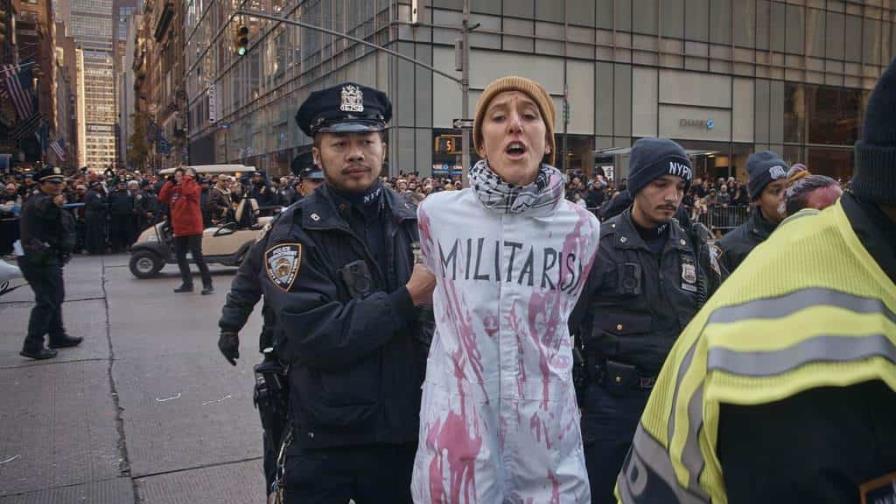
[{"x": 724, "y": 218}]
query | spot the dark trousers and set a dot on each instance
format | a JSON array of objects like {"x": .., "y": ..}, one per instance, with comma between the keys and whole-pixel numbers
[
  {"x": 608, "y": 426},
  {"x": 367, "y": 474},
  {"x": 49, "y": 293},
  {"x": 193, "y": 244},
  {"x": 121, "y": 231},
  {"x": 95, "y": 233}
]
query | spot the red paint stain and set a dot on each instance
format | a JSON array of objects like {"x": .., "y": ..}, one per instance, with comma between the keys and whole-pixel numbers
[{"x": 452, "y": 442}]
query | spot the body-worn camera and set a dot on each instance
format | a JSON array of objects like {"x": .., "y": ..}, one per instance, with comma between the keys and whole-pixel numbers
[{"x": 357, "y": 278}]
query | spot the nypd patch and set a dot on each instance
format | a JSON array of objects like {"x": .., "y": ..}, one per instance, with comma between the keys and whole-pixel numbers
[
  {"x": 689, "y": 273},
  {"x": 282, "y": 262}
]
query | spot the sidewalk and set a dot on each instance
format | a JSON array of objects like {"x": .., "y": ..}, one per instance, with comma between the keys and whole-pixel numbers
[{"x": 144, "y": 411}]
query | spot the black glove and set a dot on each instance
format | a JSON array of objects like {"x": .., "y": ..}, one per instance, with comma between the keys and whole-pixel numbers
[{"x": 229, "y": 344}]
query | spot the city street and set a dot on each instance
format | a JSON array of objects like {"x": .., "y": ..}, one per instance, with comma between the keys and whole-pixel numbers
[{"x": 145, "y": 410}]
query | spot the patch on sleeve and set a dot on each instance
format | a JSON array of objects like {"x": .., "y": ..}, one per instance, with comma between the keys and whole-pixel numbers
[
  {"x": 880, "y": 490},
  {"x": 282, "y": 262}
]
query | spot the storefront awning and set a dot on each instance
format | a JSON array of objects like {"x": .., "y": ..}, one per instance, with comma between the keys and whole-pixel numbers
[{"x": 625, "y": 151}]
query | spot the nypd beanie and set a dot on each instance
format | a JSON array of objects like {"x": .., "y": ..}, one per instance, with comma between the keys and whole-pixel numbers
[
  {"x": 875, "y": 172},
  {"x": 763, "y": 168},
  {"x": 652, "y": 158}
]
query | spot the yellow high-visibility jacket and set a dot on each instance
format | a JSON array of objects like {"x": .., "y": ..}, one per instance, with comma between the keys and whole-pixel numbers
[{"x": 809, "y": 308}]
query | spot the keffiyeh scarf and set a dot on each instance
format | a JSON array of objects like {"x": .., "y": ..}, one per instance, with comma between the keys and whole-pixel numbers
[{"x": 494, "y": 193}]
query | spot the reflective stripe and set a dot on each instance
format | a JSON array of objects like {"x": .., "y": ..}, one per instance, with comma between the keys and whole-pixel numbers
[
  {"x": 777, "y": 307},
  {"x": 817, "y": 349},
  {"x": 691, "y": 457},
  {"x": 648, "y": 458},
  {"x": 682, "y": 369}
]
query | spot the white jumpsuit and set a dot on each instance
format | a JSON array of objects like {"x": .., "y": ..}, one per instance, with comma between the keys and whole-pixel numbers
[{"x": 499, "y": 420}]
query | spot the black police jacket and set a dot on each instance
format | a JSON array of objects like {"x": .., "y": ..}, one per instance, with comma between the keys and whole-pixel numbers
[
  {"x": 146, "y": 203},
  {"x": 355, "y": 347},
  {"x": 636, "y": 302},
  {"x": 95, "y": 204},
  {"x": 47, "y": 232},
  {"x": 121, "y": 203},
  {"x": 734, "y": 247},
  {"x": 245, "y": 291}
]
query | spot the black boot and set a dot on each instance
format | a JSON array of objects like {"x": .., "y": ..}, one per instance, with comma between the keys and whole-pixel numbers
[
  {"x": 184, "y": 288},
  {"x": 38, "y": 353},
  {"x": 207, "y": 289},
  {"x": 65, "y": 341}
]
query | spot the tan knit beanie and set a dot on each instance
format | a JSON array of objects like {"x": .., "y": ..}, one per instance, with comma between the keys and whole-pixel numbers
[{"x": 515, "y": 83}]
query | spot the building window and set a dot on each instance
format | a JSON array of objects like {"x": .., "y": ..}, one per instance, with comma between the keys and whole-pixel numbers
[
  {"x": 835, "y": 115},
  {"x": 794, "y": 112},
  {"x": 835, "y": 163}
]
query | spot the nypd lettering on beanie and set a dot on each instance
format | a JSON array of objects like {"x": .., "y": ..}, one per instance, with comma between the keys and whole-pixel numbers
[{"x": 680, "y": 169}]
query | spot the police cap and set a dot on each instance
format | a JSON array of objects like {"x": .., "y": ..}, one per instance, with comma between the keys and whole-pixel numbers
[
  {"x": 312, "y": 173},
  {"x": 344, "y": 108},
  {"x": 301, "y": 162},
  {"x": 50, "y": 173}
]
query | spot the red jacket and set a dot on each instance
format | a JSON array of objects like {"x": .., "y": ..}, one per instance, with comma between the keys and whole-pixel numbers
[{"x": 183, "y": 200}]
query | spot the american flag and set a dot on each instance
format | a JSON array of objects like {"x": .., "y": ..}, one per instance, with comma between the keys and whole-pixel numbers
[
  {"x": 11, "y": 83},
  {"x": 58, "y": 148},
  {"x": 26, "y": 127}
]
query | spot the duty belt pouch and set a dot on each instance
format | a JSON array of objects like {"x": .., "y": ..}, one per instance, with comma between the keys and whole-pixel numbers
[
  {"x": 620, "y": 379},
  {"x": 357, "y": 278}
]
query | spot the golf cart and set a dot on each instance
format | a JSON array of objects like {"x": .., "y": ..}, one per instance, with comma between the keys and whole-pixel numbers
[{"x": 225, "y": 244}]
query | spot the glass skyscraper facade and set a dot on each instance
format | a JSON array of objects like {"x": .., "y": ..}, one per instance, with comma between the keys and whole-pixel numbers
[
  {"x": 91, "y": 26},
  {"x": 722, "y": 77}
]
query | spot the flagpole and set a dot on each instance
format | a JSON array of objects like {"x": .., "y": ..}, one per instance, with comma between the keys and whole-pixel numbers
[{"x": 9, "y": 67}]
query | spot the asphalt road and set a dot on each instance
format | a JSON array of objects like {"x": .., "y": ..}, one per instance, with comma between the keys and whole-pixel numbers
[{"x": 146, "y": 410}]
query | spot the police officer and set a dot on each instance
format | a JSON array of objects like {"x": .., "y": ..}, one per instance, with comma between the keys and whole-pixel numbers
[
  {"x": 121, "y": 211},
  {"x": 767, "y": 180},
  {"x": 48, "y": 238},
  {"x": 340, "y": 275},
  {"x": 310, "y": 175},
  {"x": 95, "y": 213},
  {"x": 648, "y": 280},
  {"x": 783, "y": 389}
]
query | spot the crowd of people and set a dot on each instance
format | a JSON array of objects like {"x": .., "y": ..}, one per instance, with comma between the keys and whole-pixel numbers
[{"x": 112, "y": 208}]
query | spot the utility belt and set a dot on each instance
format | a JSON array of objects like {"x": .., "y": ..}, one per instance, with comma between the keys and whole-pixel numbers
[
  {"x": 271, "y": 396},
  {"x": 616, "y": 377}
]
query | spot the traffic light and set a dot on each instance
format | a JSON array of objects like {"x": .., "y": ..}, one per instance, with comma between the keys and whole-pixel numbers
[{"x": 241, "y": 41}]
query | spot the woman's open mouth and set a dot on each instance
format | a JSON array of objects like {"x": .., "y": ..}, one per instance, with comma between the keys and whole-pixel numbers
[{"x": 515, "y": 150}]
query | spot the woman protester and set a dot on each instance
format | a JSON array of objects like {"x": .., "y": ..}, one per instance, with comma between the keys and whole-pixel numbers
[{"x": 499, "y": 420}]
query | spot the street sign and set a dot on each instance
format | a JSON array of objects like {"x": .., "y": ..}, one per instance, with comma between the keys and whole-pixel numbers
[{"x": 463, "y": 124}]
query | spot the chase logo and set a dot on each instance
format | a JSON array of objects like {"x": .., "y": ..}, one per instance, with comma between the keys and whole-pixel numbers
[{"x": 697, "y": 123}]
